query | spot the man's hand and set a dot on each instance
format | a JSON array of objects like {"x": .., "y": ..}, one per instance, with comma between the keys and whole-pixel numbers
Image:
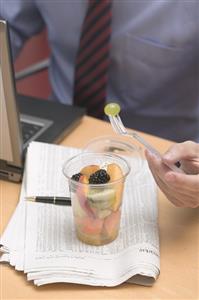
[{"x": 181, "y": 189}]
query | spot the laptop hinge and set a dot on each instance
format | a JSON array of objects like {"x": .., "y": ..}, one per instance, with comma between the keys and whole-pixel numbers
[{"x": 11, "y": 173}]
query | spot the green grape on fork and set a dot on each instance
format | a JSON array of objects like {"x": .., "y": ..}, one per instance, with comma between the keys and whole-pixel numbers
[{"x": 112, "y": 110}]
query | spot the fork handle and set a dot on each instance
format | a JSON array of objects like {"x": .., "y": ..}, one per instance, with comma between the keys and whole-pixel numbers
[{"x": 154, "y": 151}]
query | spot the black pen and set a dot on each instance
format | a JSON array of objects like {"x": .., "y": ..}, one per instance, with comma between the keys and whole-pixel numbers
[{"x": 52, "y": 200}]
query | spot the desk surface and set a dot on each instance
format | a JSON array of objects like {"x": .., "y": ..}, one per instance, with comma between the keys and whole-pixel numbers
[{"x": 179, "y": 245}]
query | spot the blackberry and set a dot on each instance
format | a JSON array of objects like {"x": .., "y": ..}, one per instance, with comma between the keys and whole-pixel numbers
[
  {"x": 100, "y": 176},
  {"x": 76, "y": 177}
]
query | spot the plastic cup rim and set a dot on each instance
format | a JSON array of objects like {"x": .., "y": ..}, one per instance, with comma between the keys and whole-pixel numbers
[{"x": 108, "y": 154}]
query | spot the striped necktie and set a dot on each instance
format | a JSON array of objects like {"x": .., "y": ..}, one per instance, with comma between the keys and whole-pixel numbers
[{"x": 92, "y": 60}]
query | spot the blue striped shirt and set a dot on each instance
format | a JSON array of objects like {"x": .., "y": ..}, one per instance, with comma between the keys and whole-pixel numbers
[{"x": 154, "y": 71}]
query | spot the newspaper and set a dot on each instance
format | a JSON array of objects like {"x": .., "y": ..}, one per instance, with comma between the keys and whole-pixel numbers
[{"x": 40, "y": 238}]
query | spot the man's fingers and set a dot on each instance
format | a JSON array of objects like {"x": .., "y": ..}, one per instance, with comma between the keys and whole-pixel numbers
[
  {"x": 166, "y": 190},
  {"x": 190, "y": 182},
  {"x": 181, "y": 189},
  {"x": 187, "y": 150}
]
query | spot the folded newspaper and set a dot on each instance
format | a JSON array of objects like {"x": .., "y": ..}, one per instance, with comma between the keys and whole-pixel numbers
[{"x": 40, "y": 238}]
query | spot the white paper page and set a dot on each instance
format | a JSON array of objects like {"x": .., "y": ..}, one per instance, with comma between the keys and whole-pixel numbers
[
  {"x": 9, "y": 236},
  {"x": 68, "y": 276},
  {"x": 6, "y": 238},
  {"x": 136, "y": 246},
  {"x": 57, "y": 252},
  {"x": 14, "y": 235},
  {"x": 44, "y": 169},
  {"x": 18, "y": 253}
]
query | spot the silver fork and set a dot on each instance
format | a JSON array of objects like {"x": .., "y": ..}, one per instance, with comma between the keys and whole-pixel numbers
[{"x": 118, "y": 127}]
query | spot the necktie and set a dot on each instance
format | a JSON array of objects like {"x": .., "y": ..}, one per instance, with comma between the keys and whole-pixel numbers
[{"x": 92, "y": 59}]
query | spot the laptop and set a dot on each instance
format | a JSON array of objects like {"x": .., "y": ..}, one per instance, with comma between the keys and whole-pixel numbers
[{"x": 24, "y": 119}]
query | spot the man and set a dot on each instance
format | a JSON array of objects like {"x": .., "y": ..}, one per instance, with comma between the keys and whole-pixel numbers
[{"x": 154, "y": 57}]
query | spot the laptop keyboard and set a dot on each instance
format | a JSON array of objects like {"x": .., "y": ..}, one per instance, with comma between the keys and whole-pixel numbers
[{"x": 29, "y": 130}]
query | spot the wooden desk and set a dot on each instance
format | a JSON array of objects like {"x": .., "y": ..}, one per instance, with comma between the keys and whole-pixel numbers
[{"x": 179, "y": 245}]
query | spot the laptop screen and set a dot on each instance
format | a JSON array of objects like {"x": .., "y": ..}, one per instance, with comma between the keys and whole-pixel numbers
[
  {"x": 10, "y": 132},
  {"x": 6, "y": 152},
  {"x": 46, "y": 121}
]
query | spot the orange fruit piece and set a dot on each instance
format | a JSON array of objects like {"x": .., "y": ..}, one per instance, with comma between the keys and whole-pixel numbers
[
  {"x": 89, "y": 225},
  {"x": 90, "y": 169},
  {"x": 111, "y": 223},
  {"x": 82, "y": 191}
]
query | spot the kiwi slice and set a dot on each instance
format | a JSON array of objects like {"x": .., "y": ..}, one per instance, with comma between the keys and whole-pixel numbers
[{"x": 101, "y": 199}]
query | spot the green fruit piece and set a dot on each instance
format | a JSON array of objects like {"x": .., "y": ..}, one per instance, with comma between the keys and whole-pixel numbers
[
  {"x": 101, "y": 199},
  {"x": 112, "y": 109},
  {"x": 116, "y": 173}
]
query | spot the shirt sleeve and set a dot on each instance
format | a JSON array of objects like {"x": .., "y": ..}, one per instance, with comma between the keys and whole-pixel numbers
[{"x": 24, "y": 19}]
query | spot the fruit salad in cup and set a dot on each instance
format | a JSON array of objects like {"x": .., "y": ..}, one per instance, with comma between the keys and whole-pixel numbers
[{"x": 96, "y": 195}]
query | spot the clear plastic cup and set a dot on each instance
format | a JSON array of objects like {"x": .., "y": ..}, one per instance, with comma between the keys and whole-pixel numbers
[
  {"x": 122, "y": 146},
  {"x": 96, "y": 207}
]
